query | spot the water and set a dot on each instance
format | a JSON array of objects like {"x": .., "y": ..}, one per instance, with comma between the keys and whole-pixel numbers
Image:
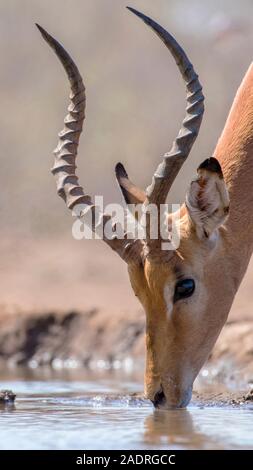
[{"x": 66, "y": 413}]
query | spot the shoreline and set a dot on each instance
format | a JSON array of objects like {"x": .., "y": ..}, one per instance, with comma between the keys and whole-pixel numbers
[{"x": 94, "y": 339}]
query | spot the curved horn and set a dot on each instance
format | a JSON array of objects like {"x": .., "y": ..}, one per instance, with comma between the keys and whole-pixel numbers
[
  {"x": 168, "y": 169},
  {"x": 66, "y": 152}
]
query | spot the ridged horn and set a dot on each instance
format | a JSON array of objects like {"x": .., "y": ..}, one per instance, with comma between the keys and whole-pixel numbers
[
  {"x": 66, "y": 151},
  {"x": 64, "y": 168},
  {"x": 168, "y": 169}
]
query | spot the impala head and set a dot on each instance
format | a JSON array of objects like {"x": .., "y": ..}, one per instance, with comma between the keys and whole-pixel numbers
[{"x": 181, "y": 290}]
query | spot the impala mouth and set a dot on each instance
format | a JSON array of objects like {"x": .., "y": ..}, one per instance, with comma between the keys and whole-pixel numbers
[
  {"x": 161, "y": 402},
  {"x": 159, "y": 399}
]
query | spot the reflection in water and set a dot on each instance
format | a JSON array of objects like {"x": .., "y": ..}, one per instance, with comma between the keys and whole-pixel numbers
[
  {"x": 7, "y": 407},
  {"x": 175, "y": 429},
  {"x": 101, "y": 414}
]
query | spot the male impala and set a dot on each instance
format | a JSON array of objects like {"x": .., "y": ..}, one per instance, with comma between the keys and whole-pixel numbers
[{"x": 187, "y": 292}]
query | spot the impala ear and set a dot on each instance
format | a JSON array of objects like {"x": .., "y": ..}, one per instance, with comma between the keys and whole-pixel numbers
[
  {"x": 207, "y": 200},
  {"x": 131, "y": 193}
]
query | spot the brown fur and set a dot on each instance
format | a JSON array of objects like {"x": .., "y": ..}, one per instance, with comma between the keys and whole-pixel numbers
[
  {"x": 235, "y": 153},
  {"x": 180, "y": 340}
]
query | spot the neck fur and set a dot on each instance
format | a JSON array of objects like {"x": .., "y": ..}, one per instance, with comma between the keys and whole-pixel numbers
[{"x": 235, "y": 153}]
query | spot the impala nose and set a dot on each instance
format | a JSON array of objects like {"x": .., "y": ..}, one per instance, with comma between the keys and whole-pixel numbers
[{"x": 161, "y": 401}]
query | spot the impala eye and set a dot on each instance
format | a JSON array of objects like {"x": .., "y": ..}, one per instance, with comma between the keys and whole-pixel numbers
[{"x": 184, "y": 289}]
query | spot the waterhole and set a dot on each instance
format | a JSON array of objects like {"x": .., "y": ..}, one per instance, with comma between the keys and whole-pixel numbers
[{"x": 109, "y": 413}]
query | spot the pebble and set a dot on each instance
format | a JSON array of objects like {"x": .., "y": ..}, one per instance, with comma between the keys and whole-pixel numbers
[{"x": 7, "y": 396}]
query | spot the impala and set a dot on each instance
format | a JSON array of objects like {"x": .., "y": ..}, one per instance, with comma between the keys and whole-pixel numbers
[{"x": 186, "y": 292}]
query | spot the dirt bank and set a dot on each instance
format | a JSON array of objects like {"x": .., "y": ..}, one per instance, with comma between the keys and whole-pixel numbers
[
  {"x": 70, "y": 339},
  {"x": 95, "y": 339}
]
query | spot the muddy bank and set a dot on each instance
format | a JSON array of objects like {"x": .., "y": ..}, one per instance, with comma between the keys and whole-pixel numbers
[
  {"x": 70, "y": 339},
  {"x": 96, "y": 339}
]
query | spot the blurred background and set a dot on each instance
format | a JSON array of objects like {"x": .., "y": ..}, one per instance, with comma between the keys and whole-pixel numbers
[{"x": 135, "y": 105}]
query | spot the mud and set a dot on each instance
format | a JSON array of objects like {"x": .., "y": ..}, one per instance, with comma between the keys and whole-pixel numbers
[
  {"x": 40, "y": 339},
  {"x": 95, "y": 339}
]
